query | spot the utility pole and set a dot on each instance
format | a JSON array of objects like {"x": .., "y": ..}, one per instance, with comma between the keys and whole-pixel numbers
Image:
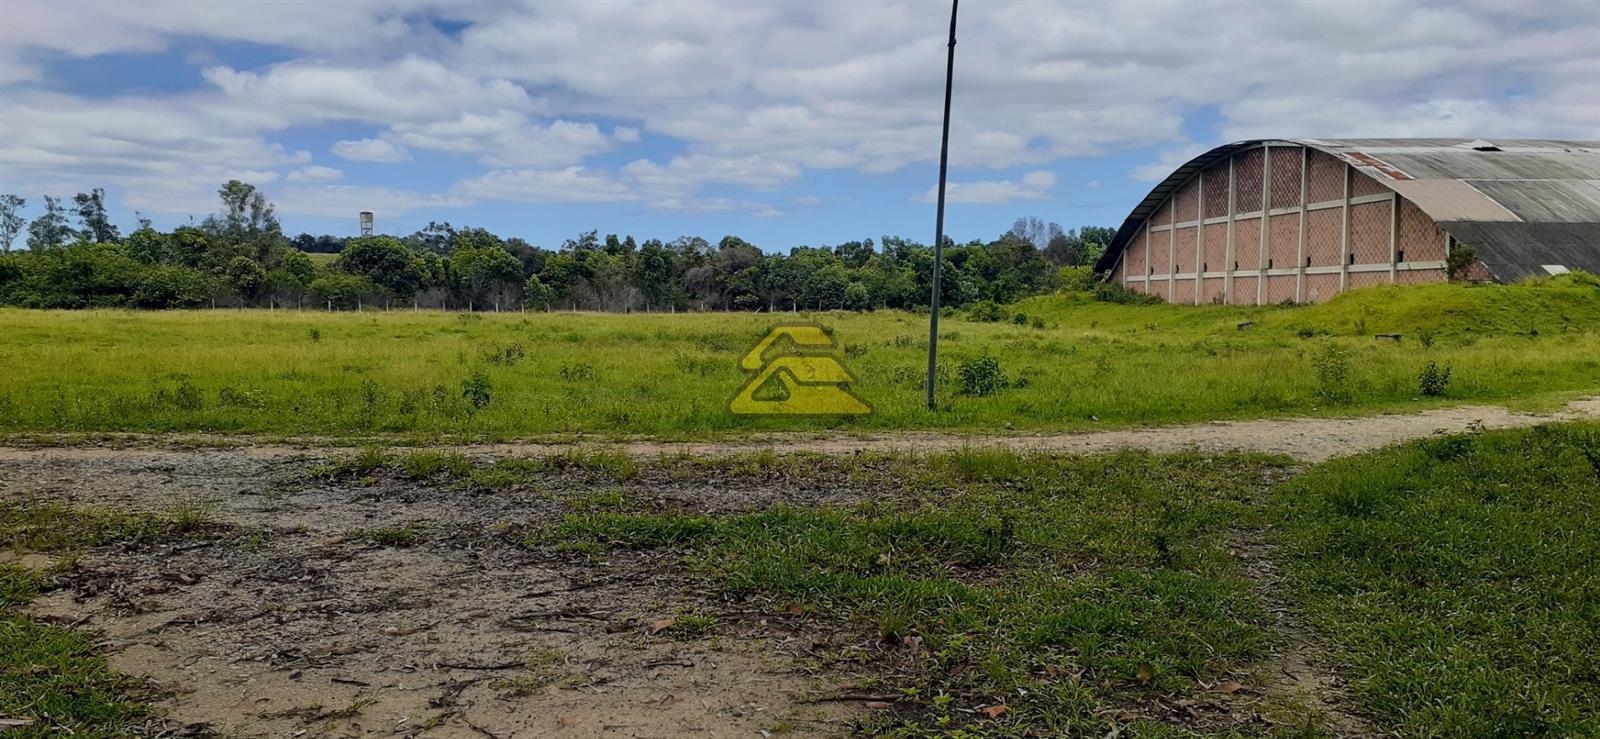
[{"x": 938, "y": 230}]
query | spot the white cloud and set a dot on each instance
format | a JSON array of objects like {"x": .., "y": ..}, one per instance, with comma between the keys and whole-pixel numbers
[
  {"x": 349, "y": 200},
  {"x": 315, "y": 173},
  {"x": 569, "y": 185},
  {"x": 371, "y": 150},
  {"x": 1031, "y": 186},
  {"x": 754, "y": 95}
]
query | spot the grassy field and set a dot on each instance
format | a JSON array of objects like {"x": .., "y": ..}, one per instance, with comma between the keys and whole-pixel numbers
[
  {"x": 1072, "y": 364},
  {"x": 1456, "y": 579}
]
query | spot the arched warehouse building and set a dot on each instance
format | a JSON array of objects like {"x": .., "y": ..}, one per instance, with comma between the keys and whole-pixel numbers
[{"x": 1269, "y": 221}]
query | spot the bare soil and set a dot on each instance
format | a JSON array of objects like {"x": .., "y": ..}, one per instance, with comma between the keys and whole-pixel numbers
[{"x": 301, "y": 629}]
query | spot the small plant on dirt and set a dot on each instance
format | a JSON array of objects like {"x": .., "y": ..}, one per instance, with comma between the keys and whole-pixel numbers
[
  {"x": 1333, "y": 374},
  {"x": 475, "y": 389},
  {"x": 1432, "y": 381},
  {"x": 347, "y": 465},
  {"x": 685, "y": 625},
  {"x": 424, "y": 463},
  {"x": 981, "y": 376}
]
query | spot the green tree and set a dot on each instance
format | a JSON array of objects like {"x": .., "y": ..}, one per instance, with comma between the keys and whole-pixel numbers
[
  {"x": 94, "y": 225},
  {"x": 50, "y": 229},
  {"x": 536, "y": 294},
  {"x": 486, "y": 273},
  {"x": 246, "y": 276},
  {"x": 10, "y": 221},
  {"x": 386, "y": 261},
  {"x": 149, "y": 246}
]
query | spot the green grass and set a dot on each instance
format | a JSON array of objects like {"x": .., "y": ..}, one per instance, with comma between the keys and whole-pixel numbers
[
  {"x": 1011, "y": 569},
  {"x": 434, "y": 375},
  {"x": 1457, "y": 580},
  {"x": 52, "y": 675}
]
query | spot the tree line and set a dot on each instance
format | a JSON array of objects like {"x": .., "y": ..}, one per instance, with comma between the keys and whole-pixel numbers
[{"x": 239, "y": 256}]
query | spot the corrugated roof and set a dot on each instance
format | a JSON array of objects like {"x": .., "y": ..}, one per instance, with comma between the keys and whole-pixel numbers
[{"x": 1513, "y": 183}]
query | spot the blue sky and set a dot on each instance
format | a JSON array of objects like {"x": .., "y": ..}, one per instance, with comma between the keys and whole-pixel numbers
[{"x": 784, "y": 123}]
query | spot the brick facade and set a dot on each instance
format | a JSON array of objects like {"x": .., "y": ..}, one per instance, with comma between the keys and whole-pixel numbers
[{"x": 1328, "y": 228}]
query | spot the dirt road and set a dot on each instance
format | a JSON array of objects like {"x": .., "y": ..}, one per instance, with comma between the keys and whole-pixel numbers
[{"x": 1307, "y": 439}]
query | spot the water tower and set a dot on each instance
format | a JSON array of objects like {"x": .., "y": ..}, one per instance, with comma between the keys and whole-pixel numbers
[{"x": 366, "y": 223}]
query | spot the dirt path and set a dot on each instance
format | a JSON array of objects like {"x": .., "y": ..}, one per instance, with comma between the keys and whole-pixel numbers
[{"x": 1307, "y": 439}]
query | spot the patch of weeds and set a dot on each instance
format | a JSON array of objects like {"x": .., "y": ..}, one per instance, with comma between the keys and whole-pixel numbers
[
  {"x": 1432, "y": 381},
  {"x": 507, "y": 355},
  {"x": 686, "y": 625},
  {"x": 425, "y": 463},
  {"x": 229, "y": 397},
  {"x": 362, "y": 462},
  {"x": 389, "y": 536},
  {"x": 579, "y": 372},
  {"x": 314, "y": 335},
  {"x": 48, "y": 526}
]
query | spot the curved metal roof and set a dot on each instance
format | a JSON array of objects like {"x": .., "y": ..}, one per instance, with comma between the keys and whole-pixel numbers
[{"x": 1521, "y": 203}]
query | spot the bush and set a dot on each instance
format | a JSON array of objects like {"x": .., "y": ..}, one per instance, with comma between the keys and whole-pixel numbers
[
  {"x": 1333, "y": 374},
  {"x": 1432, "y": 381},
  {"x": 1076, "y": 279},
  {"x": 173, "y": 287},
  {"x": 1111, "y": 292},
  {"x": 475, "y": 389},
  {"x": 986, "y": 311},
  {"x": 981, "y": 376}
]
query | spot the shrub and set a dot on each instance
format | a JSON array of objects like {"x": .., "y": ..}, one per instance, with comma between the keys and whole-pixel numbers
[
  {"x": 1432, "y": 381},
  {"x": 981, "y": 376},
  {"x": 577, "y": 372},
  {"x": 1111, "y": 292},
  {"x": 1333, "y": 374},
  {"x": 1459, "y": 263},
  {"x": 475, "y": 389},
  {"x": 1076, "y": 279},
  {"x": 986, "y": 311}
]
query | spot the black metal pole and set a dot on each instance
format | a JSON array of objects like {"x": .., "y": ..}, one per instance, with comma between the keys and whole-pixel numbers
[{"x": 938, "y": 230}]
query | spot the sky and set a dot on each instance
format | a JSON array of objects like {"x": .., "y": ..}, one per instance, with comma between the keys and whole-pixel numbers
[{"x": 784, "y": 123}]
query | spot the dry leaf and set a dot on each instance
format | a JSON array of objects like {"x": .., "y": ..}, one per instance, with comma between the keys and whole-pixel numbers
[
  {"x": 879, "y": 705},
  {"x": 1145, "y": 673},
  {"x": 657, "y": 627},
  {"x": 995, "y": 711},
  {"x": 1227, "y": 686},
  {"x": 795, "y": 609},
  {"x": 15, "y": 722}
]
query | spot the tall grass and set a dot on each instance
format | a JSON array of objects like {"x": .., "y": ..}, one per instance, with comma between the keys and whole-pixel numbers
[{"x": 1091, "y": 364}]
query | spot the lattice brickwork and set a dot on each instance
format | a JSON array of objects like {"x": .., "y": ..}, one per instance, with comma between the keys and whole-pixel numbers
[
  {"x": 1369, "y": 233},
  {"x": 1283, "y": 241},
  {"x": 1325, "y": 179},
  {"x": 1280, "y": 288},
  {"x": 1214, "y": 289},
  {"x": 1215, "y": 256},
  {"x": 1247, "y": 181},
  {"x": 1183, "y": 255},
  {"x": 1366, "y": 279},
  {"x": 1324, "y": 230},
  {"x": 1420, "y": 238},
  {"x": 1285, "y": 177},
  {"x": 1244, "y": 291},
  {"x": 1361, "y": 184},
  {"x": 1187, "y": 201},
  {"x": 1247, "y": 243},
  {"x": 1158, "y": 288},
  {"x": 1163, "y": 214},
  {"x": 1321, "y": 287},
  {"x": 1121, "y": 273},
  {"x": 1160, "y": 252},
  {"x": 1182, "y": 292},
  {"x": 1136, "y": 258},
  {"x": 1417, "y": 276},
  {"x": 1216, "y": 190}
]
